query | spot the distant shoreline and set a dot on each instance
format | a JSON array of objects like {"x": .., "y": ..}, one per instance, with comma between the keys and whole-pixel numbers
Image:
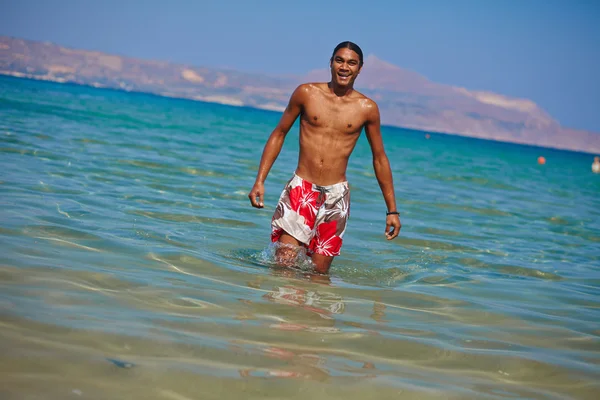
[
  {"x": 405, "y": 98},
  {"x": 31, "y": 77}
]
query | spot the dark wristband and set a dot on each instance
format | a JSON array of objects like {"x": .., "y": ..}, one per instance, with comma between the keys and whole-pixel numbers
[{"x": 392, "y": 213}]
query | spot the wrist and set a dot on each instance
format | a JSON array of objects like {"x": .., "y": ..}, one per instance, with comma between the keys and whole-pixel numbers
[{"x": 392, "y": 213}]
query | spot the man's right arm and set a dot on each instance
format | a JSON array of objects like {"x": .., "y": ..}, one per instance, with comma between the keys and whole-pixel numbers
[{"x": 275, "y": 143}]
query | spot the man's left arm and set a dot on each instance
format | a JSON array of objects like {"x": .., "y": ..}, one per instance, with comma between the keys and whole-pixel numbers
[{"x": 383, "y": 171}]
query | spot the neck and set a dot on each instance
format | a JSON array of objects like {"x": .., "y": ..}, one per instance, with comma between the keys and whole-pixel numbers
[{"x": 340, "y": 90}]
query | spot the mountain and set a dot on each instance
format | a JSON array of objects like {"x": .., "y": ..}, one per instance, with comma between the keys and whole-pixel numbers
[
  {"x": 410, "y": 100},
  {"x": 405, "y": 98}
]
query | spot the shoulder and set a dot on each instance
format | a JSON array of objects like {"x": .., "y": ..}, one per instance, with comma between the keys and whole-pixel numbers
[
  {"x": 364, "y": 101},
  {"x": 304, "y": 91},
  {"x": 367, "y": 105},
  {"x": 310, "y": 87}
]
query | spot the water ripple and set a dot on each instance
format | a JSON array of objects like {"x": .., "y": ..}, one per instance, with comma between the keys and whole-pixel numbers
[{"x": 131, "y": 262}]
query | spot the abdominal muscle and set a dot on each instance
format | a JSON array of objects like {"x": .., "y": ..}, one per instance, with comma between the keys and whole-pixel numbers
[{"x": 324, "y": 154}]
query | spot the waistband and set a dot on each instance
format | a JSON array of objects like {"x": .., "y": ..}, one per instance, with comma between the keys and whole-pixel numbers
[{"x": 328, "y": 188}]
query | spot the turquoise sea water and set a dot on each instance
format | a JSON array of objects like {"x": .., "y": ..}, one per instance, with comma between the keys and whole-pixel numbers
[{"x": 132, "y": 265}]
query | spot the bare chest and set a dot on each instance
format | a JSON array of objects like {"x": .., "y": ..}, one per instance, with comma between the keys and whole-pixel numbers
[{"x": 343, "y": 118}]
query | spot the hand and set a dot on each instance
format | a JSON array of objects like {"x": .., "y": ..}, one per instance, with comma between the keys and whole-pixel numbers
[
  {"x": 258, "y": 190},
  {"x": 392, "y": 221}
]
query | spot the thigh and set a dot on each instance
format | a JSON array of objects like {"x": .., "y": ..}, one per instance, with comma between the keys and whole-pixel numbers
[
  {"x": 286, "y": 253},
  {"x": 329, "y": 232},
  {"x": 286, "y": 238},
  {"x": 330, "y": 229},
  {"x": 295, "y": 214}
]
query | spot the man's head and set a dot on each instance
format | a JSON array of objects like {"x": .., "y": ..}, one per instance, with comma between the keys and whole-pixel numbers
[
  {"x": 346, "y": 62},
  {"x": 349, "y": 45}
]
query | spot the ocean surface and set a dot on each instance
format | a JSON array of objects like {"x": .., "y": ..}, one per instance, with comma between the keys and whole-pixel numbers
[{"x": 132, "y": 265}]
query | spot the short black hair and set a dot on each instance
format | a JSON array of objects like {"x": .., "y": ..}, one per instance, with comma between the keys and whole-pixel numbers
[{"x": 349, "y": 45}]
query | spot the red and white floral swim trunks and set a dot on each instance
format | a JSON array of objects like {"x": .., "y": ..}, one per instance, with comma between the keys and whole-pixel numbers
[{"x": 315, "y": 215}]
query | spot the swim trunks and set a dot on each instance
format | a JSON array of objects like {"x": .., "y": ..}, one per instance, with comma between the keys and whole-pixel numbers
[{"x": 314, "y": 215}]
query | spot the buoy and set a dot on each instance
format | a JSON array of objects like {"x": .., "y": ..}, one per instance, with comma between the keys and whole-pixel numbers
[
  {"x": 427, "y": 136},
  {"x": 596, "y": 165},
  {"x": 541, "y": 160}
]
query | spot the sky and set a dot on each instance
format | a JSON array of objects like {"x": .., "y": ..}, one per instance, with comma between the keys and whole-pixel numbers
[{"x": 544, "y": 50}]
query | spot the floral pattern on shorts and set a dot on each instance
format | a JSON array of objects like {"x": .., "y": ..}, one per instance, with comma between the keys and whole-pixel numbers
[{"x": 314, "y": 215}]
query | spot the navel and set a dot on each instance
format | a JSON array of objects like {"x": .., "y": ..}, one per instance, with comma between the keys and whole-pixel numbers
[
  {"x": 315, "y": 118},
  {"x": 349, "y": 125}
]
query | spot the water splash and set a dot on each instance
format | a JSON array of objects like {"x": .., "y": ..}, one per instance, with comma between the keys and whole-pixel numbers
[
  {"x": 281, "y": 254},
  {"x": 296, "y": 257}
]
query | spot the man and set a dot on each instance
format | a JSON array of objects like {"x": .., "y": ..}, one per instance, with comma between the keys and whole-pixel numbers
[{"x": 314, "y": 206}]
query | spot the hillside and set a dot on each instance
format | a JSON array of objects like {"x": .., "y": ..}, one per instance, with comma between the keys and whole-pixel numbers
[{"x": 406, "y": 99}]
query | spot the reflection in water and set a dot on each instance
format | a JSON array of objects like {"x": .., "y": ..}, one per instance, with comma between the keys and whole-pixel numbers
[
  {"x": 323, "y": 304},
  {"x": 378, "y": 312},
  {"x": 302, "y": 365},
  {"x": 303, "y": 291},
  {"x": 295, "y": 365},
  {"x": 313, "y": 299}
]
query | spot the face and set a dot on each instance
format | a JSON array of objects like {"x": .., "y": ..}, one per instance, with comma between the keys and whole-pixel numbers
[{"x": 345, "y": 67}]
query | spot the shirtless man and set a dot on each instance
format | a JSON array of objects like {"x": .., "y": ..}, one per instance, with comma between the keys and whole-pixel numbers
[{"x": 315, "y": 204}]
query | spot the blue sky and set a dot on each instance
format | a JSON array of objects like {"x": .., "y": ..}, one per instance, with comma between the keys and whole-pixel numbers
[{"x": 544, "y": 50}]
